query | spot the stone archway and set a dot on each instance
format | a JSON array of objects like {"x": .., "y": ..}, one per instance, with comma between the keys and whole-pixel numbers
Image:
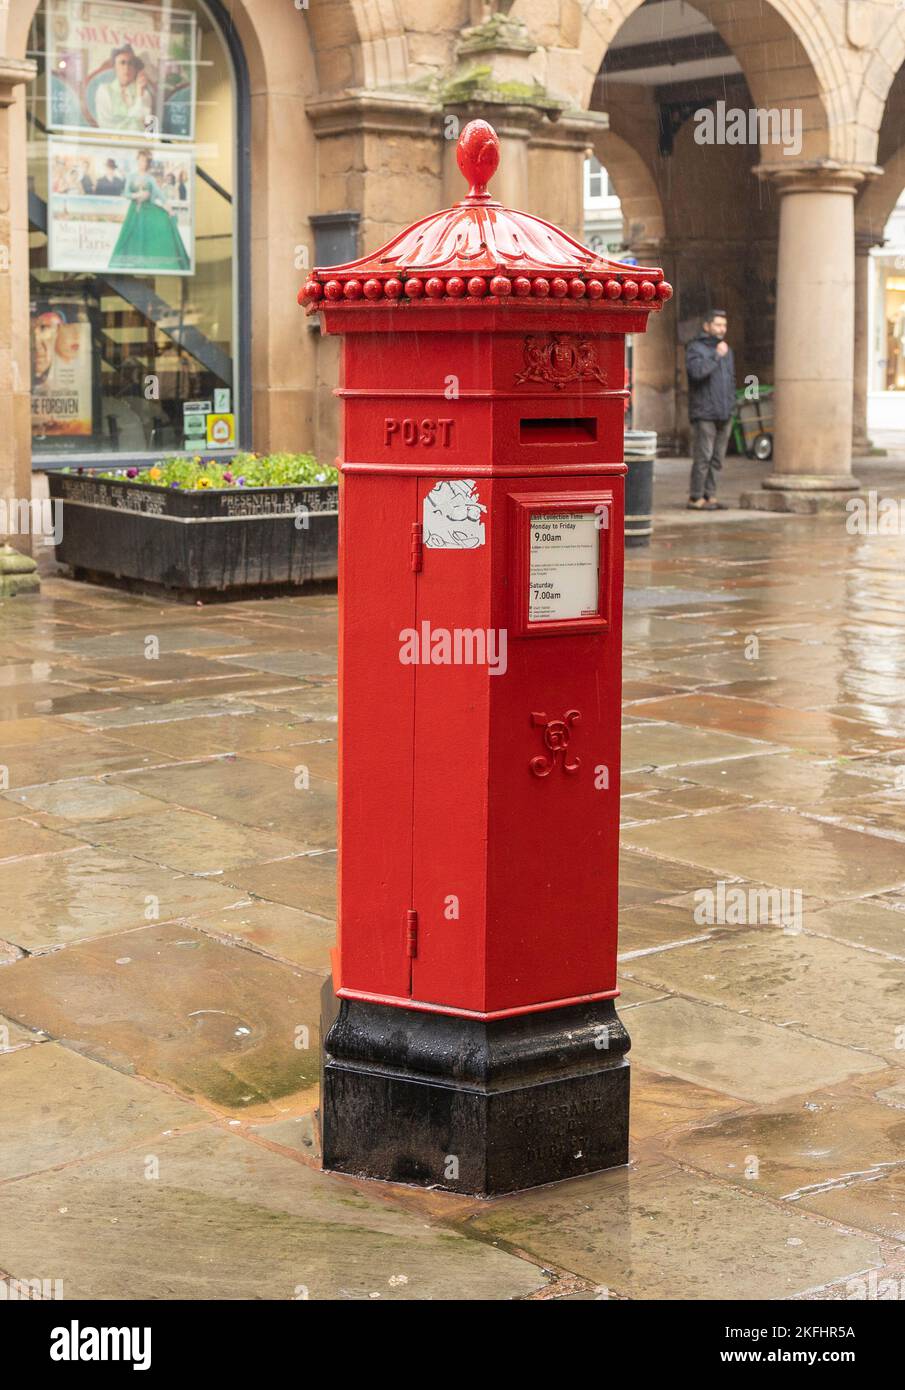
[
  {"x": 787, "y": 50},
  {"x": 885, "y": 65},
  {"x": 791, "y": 61},
  {"x": 644, "y": 231}
]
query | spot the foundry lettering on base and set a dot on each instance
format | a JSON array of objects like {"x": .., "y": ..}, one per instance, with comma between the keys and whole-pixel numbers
[{"x": 458, "y": 646}]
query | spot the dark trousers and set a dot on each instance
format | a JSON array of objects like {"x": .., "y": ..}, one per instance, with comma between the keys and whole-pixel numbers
[{"x": 709, "y": 439}]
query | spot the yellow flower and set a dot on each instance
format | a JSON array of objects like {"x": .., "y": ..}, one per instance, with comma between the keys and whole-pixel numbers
[
  {"x": 154, "y": 473},
  {"x": 203, "y": 482}
]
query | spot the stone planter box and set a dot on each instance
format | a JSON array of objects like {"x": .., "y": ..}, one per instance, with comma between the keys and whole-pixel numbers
[{"x": 217, "y": 543}]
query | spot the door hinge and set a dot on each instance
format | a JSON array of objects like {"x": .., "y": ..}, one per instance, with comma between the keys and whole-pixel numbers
[
  {"x": 411, "y": 933},
  {"x": 417, "y": 546}
]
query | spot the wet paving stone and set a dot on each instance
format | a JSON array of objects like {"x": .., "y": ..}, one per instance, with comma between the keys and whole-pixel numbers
[
  {"x": 645, "y": 879},
  {"x": 653, "y": 926},
  {"x": 165, "y": 712},
  {"x": 22, "y": 838},
  {"x": 306, "y": 702},
  {"x": 175, "y": 1006},
  {"x": 779, "y": 847},
  {"x": 794, "y": 981},
  {"x": 814, "y": 731},
  {"x": 786, "y": 770},
  {"x": 660, "y": 1233},
  {"x": 60, "y": 760},
  {"x": 727, "y": 1051},
  {"x": 317, "y": 759},
  {"x": 308, "y": 882},
  {"x": 61, "y": 898},
  {"x": 172, "y": 637},
  {"x": 57, "y": 1106},
  {"x": 661, "y": 1103},
  {"x": 660, "y": 746},
  {"x": 13, "y": 1037},
  {"x": 198, "y": 738},
  {"x": 872, "y": 924},
  {"x": 276, "y": 930},
  {"x": 252, "y": 793},
  {"x": 227, "y": 1218},
  {"x": 820, "y": 1141},
  {"x": 788, "y": 780},
  {"x": 71, "y": 803},
  {"x": 187, "y": 841},
  {"x": 293, "y": 663},
  {"x": 871, "y": 1202}
]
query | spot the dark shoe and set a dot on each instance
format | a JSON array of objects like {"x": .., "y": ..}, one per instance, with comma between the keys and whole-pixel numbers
[{"x": 712, "y": 505}]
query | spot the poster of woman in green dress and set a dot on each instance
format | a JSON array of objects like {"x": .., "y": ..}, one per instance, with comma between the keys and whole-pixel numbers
[
  {"x": 128, "y": 208},
  {"x": 149, "y": 239}
]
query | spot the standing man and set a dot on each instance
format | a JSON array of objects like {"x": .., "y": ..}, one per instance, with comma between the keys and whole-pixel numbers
[{"x": 711, "y": 403}]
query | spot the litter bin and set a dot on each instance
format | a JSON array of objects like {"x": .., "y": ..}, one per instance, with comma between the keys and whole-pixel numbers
[{"x": 640, "y": 453}]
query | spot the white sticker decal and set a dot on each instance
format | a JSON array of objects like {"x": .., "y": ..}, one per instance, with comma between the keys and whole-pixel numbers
[{"x": 452, "y": 516}]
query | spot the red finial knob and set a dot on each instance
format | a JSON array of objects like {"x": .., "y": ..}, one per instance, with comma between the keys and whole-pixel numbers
[{"x": 478, "y": 154}]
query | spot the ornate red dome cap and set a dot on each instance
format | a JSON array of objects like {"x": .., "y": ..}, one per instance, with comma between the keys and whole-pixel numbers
[{"x": 479, "y": 252}]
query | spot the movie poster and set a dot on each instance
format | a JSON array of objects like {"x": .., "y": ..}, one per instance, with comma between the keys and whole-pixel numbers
[
  {"x": 121, "y": 208},
  {"x": 120, "y": 68},
  {"x": 61, "y": 369}
]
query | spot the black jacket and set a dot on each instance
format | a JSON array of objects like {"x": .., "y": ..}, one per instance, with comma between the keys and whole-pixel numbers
[{"x": 711, "y": 380}]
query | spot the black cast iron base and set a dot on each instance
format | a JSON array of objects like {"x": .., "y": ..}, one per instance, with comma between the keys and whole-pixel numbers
[{"x": 482, "y": 1108}]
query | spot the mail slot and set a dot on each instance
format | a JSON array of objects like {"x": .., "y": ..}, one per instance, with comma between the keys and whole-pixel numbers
[
  {"x": 558, "y": 429},
  {"x": 476, "y": 1045}
]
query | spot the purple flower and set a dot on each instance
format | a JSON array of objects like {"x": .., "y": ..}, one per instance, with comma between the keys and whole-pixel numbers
[
  {"x": 131, "y": 472},
  {"x": 227, "y": 477},
  {"x": 174, "y": 484},
  {"x": 241, "y": 482}
]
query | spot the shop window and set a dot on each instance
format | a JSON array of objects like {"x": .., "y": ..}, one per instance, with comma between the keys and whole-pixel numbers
[
  {"x": 133, "y": 213},
  {"x": 891, "y": 296}
]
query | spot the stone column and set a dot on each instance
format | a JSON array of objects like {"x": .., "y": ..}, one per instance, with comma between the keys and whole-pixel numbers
[
  {"x": 863, "y": 242},
  {"x": 815, "y": 319},
  {"x": 16, "y": 571},
  {"x": 654, "y": 356},
  {"x": 380, "y": 153},
  {"x": 556, "y": 159}
]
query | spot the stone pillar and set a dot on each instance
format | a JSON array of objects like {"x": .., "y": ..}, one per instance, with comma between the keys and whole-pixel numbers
[
  {"x": 815, "y": 320},
  {"x": 16, "y": 571},
  {"x": 380, "y": 153},
  {"x": 863, "y": 242},
  {"x": 654, "y": 356},
  {"x": 556, "y": 159}
]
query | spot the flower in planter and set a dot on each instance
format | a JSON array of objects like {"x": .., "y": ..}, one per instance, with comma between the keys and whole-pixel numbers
[
  {"x": 131, "y": 472},
  {"x": 245, "y": 470}
]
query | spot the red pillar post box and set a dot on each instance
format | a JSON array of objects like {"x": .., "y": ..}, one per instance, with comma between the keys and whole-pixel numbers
[{"x": 477, "y": 1046}]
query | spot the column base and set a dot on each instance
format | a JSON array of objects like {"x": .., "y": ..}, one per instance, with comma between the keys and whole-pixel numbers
[
  {"x": 804, "y": 493},
  {"x": 18, "y": 573},
  {"x": 466, "y": 1106},
  {"x": 811, "y": 482}
]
